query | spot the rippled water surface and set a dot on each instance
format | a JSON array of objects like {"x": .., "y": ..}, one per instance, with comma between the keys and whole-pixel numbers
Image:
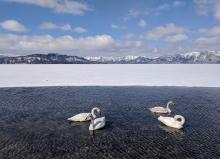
[{"x": 33, "y": 123}]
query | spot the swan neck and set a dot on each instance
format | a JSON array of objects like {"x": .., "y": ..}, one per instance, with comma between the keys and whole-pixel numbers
[
  {"x": 182, "y": 119},
  {"x": 93, "y": 112},
  {"x": 168, "y": 105},
  {"x": 93, "y": 123}
]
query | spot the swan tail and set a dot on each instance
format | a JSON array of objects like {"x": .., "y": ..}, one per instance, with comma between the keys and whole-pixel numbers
[{"x": 69, "y": 119}]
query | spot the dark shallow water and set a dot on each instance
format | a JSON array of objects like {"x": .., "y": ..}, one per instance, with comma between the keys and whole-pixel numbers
[{"x": 33, "y": 123}]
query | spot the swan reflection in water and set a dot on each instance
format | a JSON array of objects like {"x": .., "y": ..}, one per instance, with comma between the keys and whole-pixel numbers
[
  {"x": 178, "y": 133},
  {"x": 77, "y": 123}
]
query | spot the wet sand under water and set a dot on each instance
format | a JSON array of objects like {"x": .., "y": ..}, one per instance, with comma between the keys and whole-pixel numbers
[{"x": 33, "y": 123}]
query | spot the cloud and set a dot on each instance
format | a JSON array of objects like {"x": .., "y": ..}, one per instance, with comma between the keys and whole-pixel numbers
[
  {"x": 163, "y": 7},
  {"x": 176, "y": 38},
  {"x": 99, "y": 45},
  {"x": 159, "y": 9},
  {"x": 66, "y": 27},
  {"x": 48, "y": 26},
  {"x": 114, "y": 26},
  {"x": 128, "y": 47},
  {"x": 132, "y": 13},
  {"x": 91, "y": 45},
  {"x": 50, "y": 43},
  {"x": 155, "y": 50},
  {"x": 63, "y": 27},
  {"x": 51, "y": 26},
  {"x": 59, "y": 6},
  {"x": 179, "y": 3},
  {"x": 129, "y": 36},
  {"x": 208, "y": 41},
  {"x": 204, "y": 7},
  {"x": 129, "y": 44},
  {"x": 142, "y": 23},
  {"x": 79, "y": 30},
  {"x": 161, "y": 31},
  {"x": 207, "y": 7},
  {"x": 13, "y": 25},
  {"x": 217, "y": 11},
  {"x": 214, "y": 31}
]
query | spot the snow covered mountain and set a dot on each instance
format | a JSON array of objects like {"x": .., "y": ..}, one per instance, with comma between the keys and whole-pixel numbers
[
  {"x": 204, "y": 57},
  {"x": 186, "y": 58},
  {"x": 111, "y": 59}
]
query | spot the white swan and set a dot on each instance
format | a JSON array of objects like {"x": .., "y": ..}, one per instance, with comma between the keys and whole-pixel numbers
[
  {"x": 80, "y": 117},
  {"x": 162, "y": 109},
  {"x": 173, "y": 121},
  {"x": 96, "y": 123}
]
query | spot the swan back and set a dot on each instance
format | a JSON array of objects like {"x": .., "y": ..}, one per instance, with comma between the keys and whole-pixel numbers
[
  {"x": 160, "y": 110},
  {"x": 80, "y": 117},
  {"x": 182, "y": 119},
  {"x": 173, "y": 121}
]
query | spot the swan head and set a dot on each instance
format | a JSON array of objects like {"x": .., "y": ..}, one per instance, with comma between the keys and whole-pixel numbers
[
  {"x": 96, "y": 109},
  {"x": 171, "y": 102}
]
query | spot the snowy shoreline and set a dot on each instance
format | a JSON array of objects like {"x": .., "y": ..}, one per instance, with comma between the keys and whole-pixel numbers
[{"x": 24, "y": 75}]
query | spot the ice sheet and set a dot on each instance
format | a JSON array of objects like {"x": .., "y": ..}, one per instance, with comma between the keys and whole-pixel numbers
[{"x": 24, "y": 75}]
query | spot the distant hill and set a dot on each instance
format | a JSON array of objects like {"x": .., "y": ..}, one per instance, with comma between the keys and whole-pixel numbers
[
  {"x": 51, "y": 58},
  {"x": 205, "y": 57}
]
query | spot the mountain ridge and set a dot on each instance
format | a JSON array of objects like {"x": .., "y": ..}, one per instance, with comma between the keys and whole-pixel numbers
[{"x": 203, "y": 57}]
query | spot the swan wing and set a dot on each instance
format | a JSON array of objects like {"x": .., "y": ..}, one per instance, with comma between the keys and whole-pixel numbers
[
  {"x": 166, "y": 119},
  {"x": 159, "y": 110},
  {"x": 170, "y": 121},
  {"x": 98, "y": 123},
  {"x": 80, "y": 117}
]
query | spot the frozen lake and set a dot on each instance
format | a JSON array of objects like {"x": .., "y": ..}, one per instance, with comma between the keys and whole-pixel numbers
[{"x": 110, "y": 75}]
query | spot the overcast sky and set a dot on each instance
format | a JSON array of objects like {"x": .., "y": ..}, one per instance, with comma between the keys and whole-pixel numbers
[{"x": 109, "y": 27}]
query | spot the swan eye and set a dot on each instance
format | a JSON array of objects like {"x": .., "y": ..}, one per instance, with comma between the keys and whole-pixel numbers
[{"x": 178, "y": 119}]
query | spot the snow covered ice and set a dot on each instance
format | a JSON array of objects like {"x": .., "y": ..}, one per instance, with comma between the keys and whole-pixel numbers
[{"x": 198, "y": 75}]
